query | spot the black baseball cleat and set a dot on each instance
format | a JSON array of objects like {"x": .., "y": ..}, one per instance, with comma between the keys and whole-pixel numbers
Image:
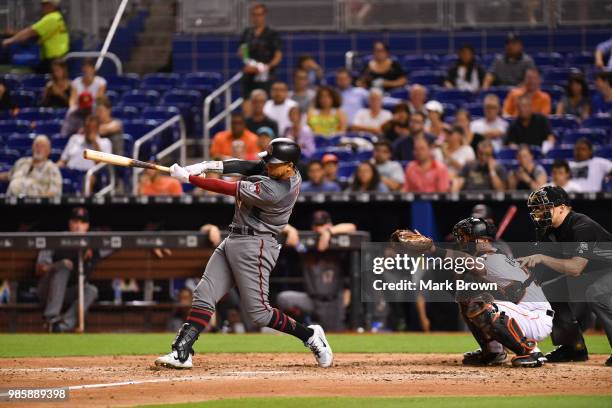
[
  {"x": 566, "y": 354},
  {"x": 480, "y": 358},
  {"x": 536, "y": 359},
  {"x": 609, "y": 361}
]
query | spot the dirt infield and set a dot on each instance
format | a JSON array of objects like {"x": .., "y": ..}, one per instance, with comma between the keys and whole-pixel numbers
[{"x": 101, "y": 381}]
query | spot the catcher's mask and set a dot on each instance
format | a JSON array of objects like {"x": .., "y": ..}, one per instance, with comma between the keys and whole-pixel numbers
[
  {"x": 542, "y": 201},
  {"x": 469, "y": 230}
]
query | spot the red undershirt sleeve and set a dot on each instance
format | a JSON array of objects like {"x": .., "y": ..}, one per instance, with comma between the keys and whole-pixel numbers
[{"x": 215, "y": 185}]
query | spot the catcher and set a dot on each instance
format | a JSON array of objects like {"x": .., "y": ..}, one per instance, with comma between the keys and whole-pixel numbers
[{"x": 516, "y": 316}]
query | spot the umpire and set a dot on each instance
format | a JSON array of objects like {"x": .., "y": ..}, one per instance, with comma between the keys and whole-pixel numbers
[{"x": 586, "y": 271}]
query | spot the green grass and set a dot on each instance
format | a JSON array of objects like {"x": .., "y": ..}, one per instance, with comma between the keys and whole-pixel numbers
[
  {"x": 57, "y": 345},
  {"x": 557, "y": 401}
]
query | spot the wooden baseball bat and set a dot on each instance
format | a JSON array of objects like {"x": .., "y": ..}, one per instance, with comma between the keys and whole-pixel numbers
[
  {"x": 117, "y": 160},
  {"x": 503, "y": 225}
]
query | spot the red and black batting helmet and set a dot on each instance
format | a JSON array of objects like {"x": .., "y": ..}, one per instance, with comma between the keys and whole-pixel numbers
[{"x": 282, "y": 150}]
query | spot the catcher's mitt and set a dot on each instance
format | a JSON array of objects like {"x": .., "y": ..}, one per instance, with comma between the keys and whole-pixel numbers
[{"x": 413, "y": 240}]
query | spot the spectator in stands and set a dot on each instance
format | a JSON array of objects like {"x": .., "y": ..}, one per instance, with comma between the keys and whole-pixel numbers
[
  {"x": 602, "y": 100},
  {"x": 58, "y": 278},
  {"x": 435, "y": 114},
  {"x": 492, "y": 126},
  {"x": 528, "y": 175},
  {"x": 425, "y": 174},
  {"x": 302, "y": 93},
  {"x": 370, "y": 120},
  {"x": 6, "y": 101},
  {"x": 417, "y": 99},
  {"x": 482, "y": 174},
  {"x": 277, "y": 108},
  {"x": 391, "y": 172},
  {"x": 316, "y": 183},
  {"x": 587, "y": 171},
  {"x": 221, "y": 147},
  {"x": 600, "y": 52},
  {"x": 264, "y": 137},
  {"x": 562, "y": 177},
  {"x": 576, "y": 100},
  {"x": 326, "y": 118},
  {"x": 455, "y": 152},
  {"x": 367, "y": 179},
  {"x": 258, "y": 118},
  {"x": 540, "y": 100},
  {"x": 35, "y": 176},
  {"x": 154, "y": 183},
  {"x": 72, "y": 156},
  {"x": 58, "y": 89},
  {"x": 399, "y": 125},
  {"x": 382, "y": 71},
  {"x": 529, "y": 128},
  {"x": 330, "y": 169},
  {"x": 110, "y": 127},
  {"x": 403, "y": 147},
  {"x": 260, "y": 49},
  {"x": 509, "y": 69},
  {"x": 300, "y": 132},
  {"x": 88, "y": 84},
  {"x": 465, "y": 74},
  {"x": 324, "y": 297},
  {"x": 51, "y": 33},
  {"x": 463, "y": 119},
  {"x": 354, "y": 98},
  {"x": 312, "y": 68}
]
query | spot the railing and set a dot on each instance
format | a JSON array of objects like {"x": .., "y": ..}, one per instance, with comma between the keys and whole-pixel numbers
[
  {"x": 97, "y": 54},
  {"x": 89, "y": 179},
  {"x": 179, "y": 144},
  {"x": 209, "y": 122}
]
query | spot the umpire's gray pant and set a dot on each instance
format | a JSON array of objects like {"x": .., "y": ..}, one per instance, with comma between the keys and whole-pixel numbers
[{"x": 244, "y": 261}]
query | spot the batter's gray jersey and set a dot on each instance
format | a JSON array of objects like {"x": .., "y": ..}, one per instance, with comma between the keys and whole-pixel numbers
[{"x": 265, "y": 204}]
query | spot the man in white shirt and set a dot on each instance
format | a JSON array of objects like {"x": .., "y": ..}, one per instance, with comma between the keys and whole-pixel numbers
[
  {"x": 562, "y": 177},
  {"x": 278, "y": 107},
  {"x": 492, "y": 127},
  {"x": 72, "y": 156},
  {"x": 371, "y": 119},
  {"x": 353, "y": 97},
  {"x": 391, "y": 171},
  {"x": 588, "y": 171}
]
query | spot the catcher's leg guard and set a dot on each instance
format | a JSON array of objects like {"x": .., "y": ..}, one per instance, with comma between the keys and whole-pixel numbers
[
  {"x": 183, "y": 343},
  {"x": 483, "y": 356},
  {"x": 499, "y": 326}
]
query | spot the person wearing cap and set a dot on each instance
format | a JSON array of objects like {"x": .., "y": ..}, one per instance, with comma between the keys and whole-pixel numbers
[
  {"x": 72, "y": 156},
  {"x": 221, "y": 146},
  {"x": 509, "y": 69},
  {"x": 51, "y": 32},
  {"x": 316, "y": 181},
  {"x": 391, "y": 172},
  {"x": 561, "y": 176},
  {"x": 278, "y": 106},
  {"x": 258, "y": 118},
  {"x": 330, "y": 169},
  {"x": 324, "y": 296},
  {"x": 35, "y": 176},
  {"x": 435, "y": 113},
  {"x": 370, "y": 120},
  {"x": 58, "y": 273},
  {"x": 576, "y": 271},
  {"x": 492, "y": 126},
  {"x": 465, "y": 74},
  {"x": 587, "y": 171},
  {"x": 540, "y": 100}
]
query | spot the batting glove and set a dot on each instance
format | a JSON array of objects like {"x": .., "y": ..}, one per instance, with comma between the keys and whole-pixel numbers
[
  {"x": 205, "y": 167},
  {"x": 179, "y": 173}
]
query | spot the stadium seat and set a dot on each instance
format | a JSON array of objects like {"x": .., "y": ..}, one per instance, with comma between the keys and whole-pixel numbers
[
  {"x": 48, "y": 127},
  {"x": 548, "y": 58},
  {"x": 113, "y": 96},
  {"x": 449, "y": 109},
  {"x": 363, "y": 155},
  {"x": 506, "y": 153},
  {"x": 558, "y": 75},
  {"x": 324, "y": 141},
  {"x": 20, "y": 141},
  {"x": 555, "y": 92},
  {"x": 597, "y": 136},
  {"x": 400, "y": 93},
  {"x": 58, "y": 141},
  {"x": 427, "y": 77},
  {"x": 9, "y": 156},
  {"x": 12, "y": 81},
  {"x": 36, "y": 114},
  {"x": 202, "y": 81},
  {"x": 34, "y": 82},
  {"x": 160, "y": 82},
  {"x": 138, "y": 127},
  {"x": 346, "y": 170},
  {"x": 547, "y": 164},
  {"x": 125, "y": 112},
  {"x": 72, "y": 179},
  {"x": 508, "y": 164},
  {"x": 14, "y": 126},
  {"x": 140, "y": 98},
  {"x": 560, "y": 153},
  {"x": 420, "y": 62},
  {"x": 599, "y": 122},
  {"x": 160, "y": 113},
  {"x": 24, "y": 99},
  {"x": 604, "y": 151},
  {"x": 454, "y": 96},
  {"x": 123, "y": 83},
  {"x": 55, "y": 154},
  {"x": 342, "y": 153},
  {"x": 581, "y": 59},
  {"x": 182, "y": 98},
  {"x": 563, "y": 122},
  {"x": 500, "y": 91},
  {"x": 475, "y": 109}
]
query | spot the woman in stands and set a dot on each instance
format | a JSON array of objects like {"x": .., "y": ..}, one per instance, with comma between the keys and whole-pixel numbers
[
  {"x": 326, "y": 118},
  {"x": 367, "y": 179},
  {"x": 399, "y": 125},
  {"x": 382, "y": 71},
  {"x": 577, "y": 99},
  {"x": 466, "y": 74},
  {"x": 57, "y": 91},
  {"x": 300, "y": 132},
  {"x": 110, "y": 127},
  {"x": 89, "y": 84},
  {"x": 529, "y": 175}
]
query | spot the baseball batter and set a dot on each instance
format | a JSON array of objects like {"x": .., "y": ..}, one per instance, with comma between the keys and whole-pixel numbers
[{"x": 264, "y": 202}]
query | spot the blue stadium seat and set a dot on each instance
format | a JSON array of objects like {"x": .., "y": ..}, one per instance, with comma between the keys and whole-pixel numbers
[
  {"x": 59, "y": 113},
  {"x": 558, "y": 75},
  {"x": 160, "y": 113},
  {"x": 125, "y": 112},
  {"x": 560, "y": 153},
  {"x": 34, "y": 82},
  {"x": 547, "y": 164},
  {"x": 72, "y": 180},
  {"x": 182, "y": 98},
  {"x": 449, "y": 109},
  {"x": 597, "y": 136},
  {"x": 138, "y": 127},
  {"x": 14, "y": 126},
  {"x": 128, "y": 144},
  {"x": 113, "y": 96},
  {"x": 555, "y": 92},
  {"x": 20, "y": 141},
  {"x": 346, "y": 170},
  {"x": 420, "y": 62},
  {"x": 330, "y": 78},
  {"x": 454, "y": 96},
  {"x": 508, "y": 164},
  {"x": 604, "y": 151},
  {"x": 24, "y": 99},
  {"x": 500, "y": 91},
  {"x": 400, "y": 93},
  {"x": 59, "y": 141},
  {"x": 363, "y": 155},
  {"x": 548, "y": 58},
  {"x": 581, "y": 59},
  {"x": 36, "y": 114},
  {"x": 9, "y": 155},
  {"x": 563, "y": 122},
  {"x": 55, "y": 154},
  {"x": 343, "y": 153},
  {"x": 427, "y": 77},
  {"x": 140, "y": 98},
  {"x": 160, "y": 82},
  {"x": 122, "y": 83},
  {"x": 202, "y": 81},
  {"x": 475, "y": 109},
  {"x": 599, "y": 122},
  {"x": 506, "y": 153},
  {"x": 48, "y": 127},
  {"x": 12, "y": 81}
]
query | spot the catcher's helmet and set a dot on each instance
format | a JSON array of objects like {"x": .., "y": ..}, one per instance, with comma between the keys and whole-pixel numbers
[
  {"x": 282, "y": 150},
  {"x": 470, "y": 229},
  {"x": 541, "y": 203}
]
